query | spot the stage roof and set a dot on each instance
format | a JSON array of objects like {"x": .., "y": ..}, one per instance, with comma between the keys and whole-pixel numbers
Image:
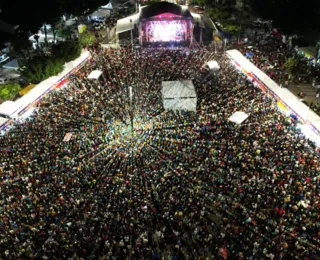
[{"x": 164, "y": 7}]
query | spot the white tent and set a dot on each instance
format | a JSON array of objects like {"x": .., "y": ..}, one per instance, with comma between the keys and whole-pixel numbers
[
  {"x": 108, "y": 6},
  {"x": 14, "y": 64},
  {"x": 8, "y": 108},
  {"x": 179, "y": 95},
  {"x": 3, "y": 122},
  {"x": 238, "y": 117},
  {"x": 95, "y": 74},
  {"x": 187, "y": 104},
  {"x": 213, "y": 65}
]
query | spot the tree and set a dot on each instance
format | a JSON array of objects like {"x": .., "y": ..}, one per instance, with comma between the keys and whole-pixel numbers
[
  {"x": 219, "y": 14},
  {"x": 21, "y": 44},
  {"x": 37, "y": 37},
  {"x": 53, "y": 67},
  {"x": 233, "y": 29},
  {"x": 86, "y": 39},
  {"x": 67, "y": 51},
  {"x": 34, "y": 71},
  {"x": 9, "y": 90},
  {"x": 291, "y": 65},
  {"x": 42, "y": 67},
  {"x": 64, "y": 33}
]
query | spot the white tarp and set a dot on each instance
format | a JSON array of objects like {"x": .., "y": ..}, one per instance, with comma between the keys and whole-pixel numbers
[
  {"x": 213, "y": 65},
  {"x": 238, "y": 117},
  {"x": 8, "y": 108},
  {"x": 179, "y": 95},
  {"x": 95, "y": 74}
]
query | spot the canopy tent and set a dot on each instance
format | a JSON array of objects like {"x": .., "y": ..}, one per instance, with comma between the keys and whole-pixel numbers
[
  {"x": 187, "y": 104},
  {"x": 3, "y": 123},
  {"x": 14, "y": 64},
  {"x": 238, "y": 117},
  {"x": 95, "y": 74},
  {"x": 179, "y": 95},
  {"x": 108, "y": 6},
  {"x": 213, "y": 65},
  {"x": 8, "y": 108}
]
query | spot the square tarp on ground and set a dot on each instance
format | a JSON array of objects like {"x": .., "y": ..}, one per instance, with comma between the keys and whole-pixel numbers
[{"x": 179, "y": 95}]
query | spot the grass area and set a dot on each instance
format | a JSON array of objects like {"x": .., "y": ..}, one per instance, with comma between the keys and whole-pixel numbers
[{"x": 9, "y": 90}]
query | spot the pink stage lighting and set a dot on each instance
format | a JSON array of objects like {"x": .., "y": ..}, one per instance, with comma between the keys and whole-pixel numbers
[{"x": 165, "y": 31}]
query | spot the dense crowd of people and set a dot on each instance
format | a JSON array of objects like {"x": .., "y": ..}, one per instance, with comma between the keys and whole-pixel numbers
[{"x": 78, "y": 182}]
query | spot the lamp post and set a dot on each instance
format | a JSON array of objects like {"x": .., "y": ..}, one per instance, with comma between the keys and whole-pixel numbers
[
  {"x": 131, "y": 33},
  {"x": 131, "y": 109}
]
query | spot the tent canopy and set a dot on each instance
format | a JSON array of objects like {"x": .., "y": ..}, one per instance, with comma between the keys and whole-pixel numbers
[
  {"x": 8, "y": 108},
  {"x": 178, "y": 89},
  {"x": 14, "y": 64},
  {"x": 179, "y": 95},
  {"x": 95, "y": 74}
]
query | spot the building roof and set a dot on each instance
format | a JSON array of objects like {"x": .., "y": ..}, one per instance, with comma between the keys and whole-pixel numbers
[{"x": 164, "y": 7}]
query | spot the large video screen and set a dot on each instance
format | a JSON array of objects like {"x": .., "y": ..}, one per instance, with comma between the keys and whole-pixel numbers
[{"x": 165, "y": 31}]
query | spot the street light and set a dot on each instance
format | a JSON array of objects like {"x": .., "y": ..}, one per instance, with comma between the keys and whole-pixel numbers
[
  {"x": 131, "y": 108},
  {"x": 131, "y": 33}
]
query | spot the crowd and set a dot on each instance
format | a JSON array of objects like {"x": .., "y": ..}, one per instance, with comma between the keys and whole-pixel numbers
[
  {"x": 270, "y": 54},
  {"x": 178, "y": 184}
]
